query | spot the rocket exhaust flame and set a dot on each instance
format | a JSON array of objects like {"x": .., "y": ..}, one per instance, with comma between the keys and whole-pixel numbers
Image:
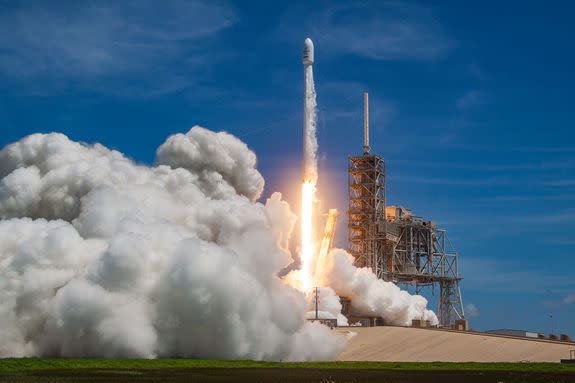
[{"x": 307, "y": 238}]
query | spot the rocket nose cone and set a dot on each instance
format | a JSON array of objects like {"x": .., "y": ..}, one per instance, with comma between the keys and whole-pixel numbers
[{"x": 308, "y": 52}]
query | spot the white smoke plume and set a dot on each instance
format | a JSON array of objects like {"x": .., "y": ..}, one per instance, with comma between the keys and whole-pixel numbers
[
  {"x": 329, "y": 306},
  {"x": 310, "y": 122},
  {"x": 371, "y": 296},
  {"x": 212, "y": 155},
  {"x": 100, "y": 256}
]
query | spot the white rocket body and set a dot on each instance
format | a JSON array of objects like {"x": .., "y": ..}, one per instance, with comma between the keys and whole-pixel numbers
[
  {"x": 309, "y": 117},
  {"x": 308, "y": 52}
]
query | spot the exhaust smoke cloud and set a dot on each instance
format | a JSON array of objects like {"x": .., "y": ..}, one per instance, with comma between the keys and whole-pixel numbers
[
  {"x": 102, "y": 257},
  {"x": 371, "y": 296}
]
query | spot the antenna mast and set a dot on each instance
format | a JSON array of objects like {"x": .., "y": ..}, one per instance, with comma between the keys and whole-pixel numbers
[{"x": 366, "y": 149}]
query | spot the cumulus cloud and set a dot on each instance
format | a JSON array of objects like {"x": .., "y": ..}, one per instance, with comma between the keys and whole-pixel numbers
[{"x": 100, "y": 256}]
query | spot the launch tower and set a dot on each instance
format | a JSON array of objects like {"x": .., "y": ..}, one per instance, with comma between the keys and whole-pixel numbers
[{"x": 398, "y": 246}]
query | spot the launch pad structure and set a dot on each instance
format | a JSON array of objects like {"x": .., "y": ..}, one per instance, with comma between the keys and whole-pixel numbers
[{"x": 398, "y": 246}]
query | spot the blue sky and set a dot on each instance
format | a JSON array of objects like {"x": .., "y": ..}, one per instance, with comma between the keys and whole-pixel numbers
[{"x": 471, "y": 105}]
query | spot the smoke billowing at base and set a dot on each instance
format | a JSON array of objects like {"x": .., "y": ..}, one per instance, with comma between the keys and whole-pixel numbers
[{"x": 100, "y": 256}]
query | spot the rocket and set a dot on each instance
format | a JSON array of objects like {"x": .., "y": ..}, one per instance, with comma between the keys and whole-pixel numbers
[
  {"x": 307, "y": 52},
  {"x": 309, "y": 118}
]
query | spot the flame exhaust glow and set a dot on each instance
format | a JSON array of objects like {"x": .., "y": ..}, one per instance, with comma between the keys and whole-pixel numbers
[{"x": 307, "y": 235}]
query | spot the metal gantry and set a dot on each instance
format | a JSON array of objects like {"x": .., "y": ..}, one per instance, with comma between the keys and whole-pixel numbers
[
  {"x": 397, "y": 245},
  {"x": 367, "y": 211}
]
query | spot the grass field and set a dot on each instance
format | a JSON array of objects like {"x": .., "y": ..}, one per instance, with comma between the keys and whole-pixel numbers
[{"x": 180, "y": 370}]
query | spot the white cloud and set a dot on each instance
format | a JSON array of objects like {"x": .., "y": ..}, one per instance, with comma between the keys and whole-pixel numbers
[
  {"x": 86, "y": 42},
  {"x": 471, "y": 311},
  {"x": 470, "y": 99},
  {"x": 390, "y": 30},
  {"x": 570, "y": 298}
]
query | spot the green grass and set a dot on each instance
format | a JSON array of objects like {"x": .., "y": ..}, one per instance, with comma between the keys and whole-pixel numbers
[{"x": 8, "y": 366}]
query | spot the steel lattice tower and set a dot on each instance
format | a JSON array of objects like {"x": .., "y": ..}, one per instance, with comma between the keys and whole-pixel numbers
[
  {"x": 366, "y": 214},
  {"x": 396, "y": 245}
]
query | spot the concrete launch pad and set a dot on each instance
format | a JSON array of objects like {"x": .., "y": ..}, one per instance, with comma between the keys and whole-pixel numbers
[{"x": 405, "y": 344}]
